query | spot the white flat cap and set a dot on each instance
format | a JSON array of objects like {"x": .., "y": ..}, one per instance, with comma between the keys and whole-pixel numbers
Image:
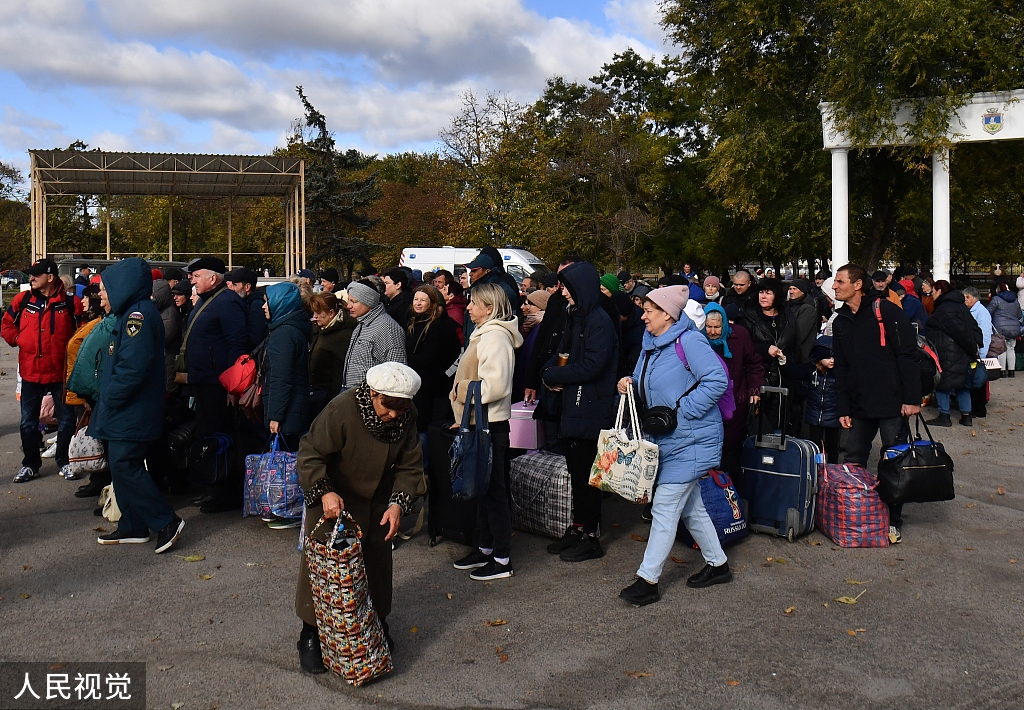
[{"x": 393, "y": 379}]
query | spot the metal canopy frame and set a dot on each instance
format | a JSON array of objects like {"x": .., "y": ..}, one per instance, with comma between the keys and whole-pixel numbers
[{"x": 65, "y": 172}]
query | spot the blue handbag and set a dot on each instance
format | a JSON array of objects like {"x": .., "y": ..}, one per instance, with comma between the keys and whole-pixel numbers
[
  {"x": 272, "y": 483},
  {"x": 471, "y": 452},
  {"x": 724, "y": 506}
]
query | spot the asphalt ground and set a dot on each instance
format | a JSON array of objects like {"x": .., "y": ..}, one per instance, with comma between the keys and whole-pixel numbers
[{"x": 938, "y": 623}]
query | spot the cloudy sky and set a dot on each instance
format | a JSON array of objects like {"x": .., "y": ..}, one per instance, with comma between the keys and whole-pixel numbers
[{"x": 219, "y": 75}]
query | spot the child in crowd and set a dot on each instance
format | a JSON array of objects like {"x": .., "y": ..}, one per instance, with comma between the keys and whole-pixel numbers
[{"x": 820, "y": 412}]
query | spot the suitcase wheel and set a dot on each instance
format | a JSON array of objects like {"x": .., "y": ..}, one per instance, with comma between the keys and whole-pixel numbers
[
  {"x": 790, "y": 535},
  {"x": 792, "y": 521}
]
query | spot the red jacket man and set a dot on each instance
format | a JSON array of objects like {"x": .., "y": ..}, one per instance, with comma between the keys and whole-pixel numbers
[{"x": 40, "y": 322}]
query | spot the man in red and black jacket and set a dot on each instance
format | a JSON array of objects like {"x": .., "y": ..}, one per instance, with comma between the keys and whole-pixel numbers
[{"x": 40, "y": 322}]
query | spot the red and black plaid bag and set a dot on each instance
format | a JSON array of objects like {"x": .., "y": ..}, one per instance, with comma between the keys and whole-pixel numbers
[{"x": 849, "y": 510}]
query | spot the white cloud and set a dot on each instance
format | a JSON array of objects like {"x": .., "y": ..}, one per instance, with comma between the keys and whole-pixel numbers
[{"x": 386, "y": 73}]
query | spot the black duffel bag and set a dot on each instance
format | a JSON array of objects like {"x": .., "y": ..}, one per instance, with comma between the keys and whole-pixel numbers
[{"x": 919, "y": 472}]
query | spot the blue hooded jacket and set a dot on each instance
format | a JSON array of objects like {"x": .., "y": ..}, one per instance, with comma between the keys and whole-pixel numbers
[
  {"x": 131, "y": 402},
  {"x": 695, "y": 447},
  {"x": 284, "y": 364}
]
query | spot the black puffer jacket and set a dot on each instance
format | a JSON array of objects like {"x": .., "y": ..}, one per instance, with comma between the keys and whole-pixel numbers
[
  {"x": 956, "y": 337},
  {"x": 874, "y": 381},
  {"x": 588, "y": 380},
  {"x": 431, "y": 351},
  {"x": 766, "y": 331}
]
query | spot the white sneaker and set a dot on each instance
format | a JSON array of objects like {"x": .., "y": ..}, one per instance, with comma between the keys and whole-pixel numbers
[
  {"x": 68, "y": 474},
  {"x": 50, "y": 452},
  {"x": 52, "y": 439}
]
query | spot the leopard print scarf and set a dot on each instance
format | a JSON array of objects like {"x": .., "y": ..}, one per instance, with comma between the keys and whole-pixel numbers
[{"x": 385, "y": 432}]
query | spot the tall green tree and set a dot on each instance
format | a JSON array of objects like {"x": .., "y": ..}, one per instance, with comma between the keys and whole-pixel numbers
[{"x": 338, "y": 192}]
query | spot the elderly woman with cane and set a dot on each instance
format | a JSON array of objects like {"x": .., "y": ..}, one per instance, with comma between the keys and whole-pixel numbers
[
  {"x": 693, "y": 446},
  {"x": 362, "y": 454}
]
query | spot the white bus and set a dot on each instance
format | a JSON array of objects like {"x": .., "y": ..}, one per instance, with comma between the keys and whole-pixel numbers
[{"x": 517, "y": 262}]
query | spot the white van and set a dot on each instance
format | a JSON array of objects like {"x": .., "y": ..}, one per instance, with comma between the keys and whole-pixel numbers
[{"x": 517, "y": 262}]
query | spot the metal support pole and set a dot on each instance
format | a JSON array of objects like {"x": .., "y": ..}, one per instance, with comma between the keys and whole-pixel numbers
[
  {"x": 940, "y": 214},
  {"x": 42, "y": 199},
  {"x": 287, "y": 237},
  {"x": 302, "y": 204},
  {"x": 108, "y": 227},
  {"x": 229, "y": 234},
  {"x": 840, "y": 208},
  {"x": 170, "y": 228},
  {"x": 300, "y": 258}
]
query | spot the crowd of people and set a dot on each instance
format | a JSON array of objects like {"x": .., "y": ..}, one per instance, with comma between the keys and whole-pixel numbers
[{"x": 353, "y": 375}]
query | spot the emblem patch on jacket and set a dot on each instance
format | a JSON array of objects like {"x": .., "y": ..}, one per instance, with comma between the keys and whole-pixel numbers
[{"x": 134, "y": 324}]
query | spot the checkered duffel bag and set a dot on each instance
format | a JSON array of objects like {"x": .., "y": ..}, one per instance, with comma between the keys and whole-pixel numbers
[
  {"x": 351, "y": 636},
  {"x": 849, "y": 510},
  {"x": 541, "y": 494}
]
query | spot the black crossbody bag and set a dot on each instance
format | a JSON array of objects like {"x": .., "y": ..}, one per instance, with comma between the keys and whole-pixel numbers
[{"x": 659, "y": 420}]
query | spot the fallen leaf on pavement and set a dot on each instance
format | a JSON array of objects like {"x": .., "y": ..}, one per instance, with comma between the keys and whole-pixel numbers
[
  {"x": 205, "y": 576},
  {"x": 638, "y": 538},
  {"x": 1013, "y": 562},
  {"x": 638, "y": 674},
  {"x": 851, "y": 632},
  {"x": 860, "y": 631},
  {"x": 856, "y": 581},
  {"x": 733, "y": 683},
  {"x": 497, "y": 651},
  {"x": 677, "y": 560},
  {"x": 970, "y": 505},
  {"x": 414, "y": 630},
  {"x": 969, "y": 549},
  {"x": 252, "y": 564},
  {"x": 497, "y": 622},
  {"x": 770, "y": 559},
  {"x": 504, "y": 657},
  {"x": 165, "y": 668},
  {"x": 26, "y": 596},
  {"x": 99, "y": 529},
  {"x": 177, "y": 706},
  {"x": 825, "y": 604},
  {"x": 192, "y": 558},
  {"x": 781, "y": 560},
  {"x": 790, "y": 610},
  {"x": 26, "y": 568},
  {"x": 449, "y": 596},
  {"x": 814, "y": 543},
  {"x": 850, "y": 600},
  {"x": 1001, "y": 491}
]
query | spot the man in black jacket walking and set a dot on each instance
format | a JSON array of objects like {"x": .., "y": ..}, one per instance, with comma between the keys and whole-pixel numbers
[{"x": 878, "y": 379}]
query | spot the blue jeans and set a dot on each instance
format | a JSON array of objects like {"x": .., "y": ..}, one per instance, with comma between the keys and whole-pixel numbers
[
  {"x": 143, "y": 508},
  {"x": 674, "y": 502},
  {"x": 31, "y": 400},
  {"x": 963, "y": 400}
]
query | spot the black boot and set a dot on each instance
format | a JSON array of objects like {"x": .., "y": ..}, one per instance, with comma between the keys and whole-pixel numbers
[
  {"x": 966, "y": 420},
  {"x": 387, "y": 637},
  {"x": 310, "y": 658},
  {"x": 710, "y": 575},
  {"x": 941, "y": 420},
  {"x": 1011, "y": 373},
  {"x": 640, "y": 593}
]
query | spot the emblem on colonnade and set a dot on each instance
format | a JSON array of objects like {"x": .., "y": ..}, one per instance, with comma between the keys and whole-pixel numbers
[{"x": 992, "y": 120}]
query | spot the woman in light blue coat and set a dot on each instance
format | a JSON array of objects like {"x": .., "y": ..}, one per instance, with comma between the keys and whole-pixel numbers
[{"x": 686, "y": 453}]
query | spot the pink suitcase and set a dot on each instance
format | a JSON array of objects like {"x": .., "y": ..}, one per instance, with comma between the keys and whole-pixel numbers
[{"x": 526, "y": 432}]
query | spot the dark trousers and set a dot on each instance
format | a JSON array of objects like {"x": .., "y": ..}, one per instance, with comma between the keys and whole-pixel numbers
[
  {"x": 828, "y": 439},
  {"x": 214, "y": 415},
  {"x": 142, "y": 506},
  {"x": 858, "y": 448},
  {"x": 31, "y": 400},
  {"x": 586, "y": 500},
  {"x": 493, "y": 515}
]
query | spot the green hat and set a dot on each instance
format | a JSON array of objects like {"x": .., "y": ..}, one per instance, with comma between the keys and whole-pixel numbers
[{"x": 611, "y": 282}]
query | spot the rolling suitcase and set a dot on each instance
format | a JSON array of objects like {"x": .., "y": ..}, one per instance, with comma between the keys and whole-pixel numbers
[
  {"x": 447, "y": 518},
  {"x": 781, "y": 477},
  {"x": 541, "y": 494}
]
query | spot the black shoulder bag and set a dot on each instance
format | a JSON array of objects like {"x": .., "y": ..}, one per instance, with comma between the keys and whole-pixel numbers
[{"x": 659, "y": 420}]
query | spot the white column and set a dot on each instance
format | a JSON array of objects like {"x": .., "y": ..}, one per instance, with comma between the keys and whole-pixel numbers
[
  {"x": 940, "y": 215},
  {"x": 840, "y": 207}
]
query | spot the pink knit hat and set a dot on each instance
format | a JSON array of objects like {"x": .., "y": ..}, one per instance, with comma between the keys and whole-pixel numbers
[
  {"x": 713, "y": 281},
  {"x": 671, "y": 299}
]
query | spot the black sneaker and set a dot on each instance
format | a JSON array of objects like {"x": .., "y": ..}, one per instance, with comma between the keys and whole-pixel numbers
[
  {"x": 941, "y": 420},
  {"x": 124, "y": 538},
  {"x": 473, "y": 560},
  {"x": 640, "y": 593},
  {"x": 648, "y": 512},
  {"x": 710, "y": 575},
  {"x": 310, "y": 657},
  {"x": 570, "y": 538},
  {"x": 89, "y": 490},
  {"x": 966, "y": 420},
  {"x": 492, "y": 570},
  {"x": 587, "y": 547},
  {"x": 169, "y": 535}
]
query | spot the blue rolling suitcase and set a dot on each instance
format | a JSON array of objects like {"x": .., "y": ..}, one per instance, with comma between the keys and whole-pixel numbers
[{"x": 781, "y": 475}]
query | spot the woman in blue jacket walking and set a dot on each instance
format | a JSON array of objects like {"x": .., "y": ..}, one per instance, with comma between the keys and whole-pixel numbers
[{"x": 689, "y": 451}]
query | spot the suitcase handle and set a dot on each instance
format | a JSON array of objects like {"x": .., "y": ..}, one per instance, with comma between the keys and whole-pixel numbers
[{"x": 773, "y": 440}]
